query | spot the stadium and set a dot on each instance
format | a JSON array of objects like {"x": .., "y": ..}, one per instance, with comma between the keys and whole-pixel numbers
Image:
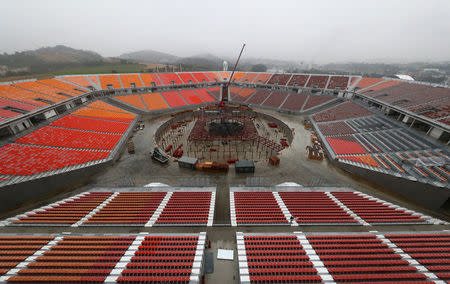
[
  {"x": 210, "y": 142},
  {"x": 343, "y": 179}
]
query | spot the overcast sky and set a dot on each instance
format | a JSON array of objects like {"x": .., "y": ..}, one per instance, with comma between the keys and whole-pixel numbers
[{"x": 310, "y": 31}]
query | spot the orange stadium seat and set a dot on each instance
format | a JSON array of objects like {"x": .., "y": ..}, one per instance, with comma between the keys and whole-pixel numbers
[
  {"x": 187, "y": 78},
  {"x": 225, "y": 75},
  {"x": 44, "y": 89},
  {"x": 128, "y": 79},
  {"x": 150, "y": 78},
  {"x": 25, "y": 96},
  {"x": 237, "y": 76},
  {"x": 110, "y": 80},
  {"x": 203, "y": 93},
  {"x": 56, "y": 83},
  {"x": 94, "y": 78},
  {"x": 169, "y": 79},
  {"x": 367, "y": 82},
  {"x": 262, "y": 78},
  {"x": 70, "y": 138},
  {"x": 173, "y": 99},
  {"x": 154, "y": 101},
  {"x": 249, "y": 77},
  {"x": 191, "y": 97},
  {"x": 91, "y": 124},
  {"x": 213, "y": 77},
  {"x": 382, "y": 85},
  {"x": 105, "y": 106},
  {"x": 201, "y": 77},
  {"x": 78, "y": 80},
  {"x": 109, "y": 115},
  {"x": 134, "y": 100}
]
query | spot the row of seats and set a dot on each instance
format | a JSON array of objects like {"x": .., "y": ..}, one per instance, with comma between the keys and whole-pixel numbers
[
  {"x": 335, "y": 128},
  {"x": 279, "y": 79},
  {"x": 133, "y": 100},
  {"x": 27, "y": 97},
  {"x": 92, "y": 111},
  {"x": 257, "y": 207},
  {"x": 317, "y": 81},
  {"x": 37, "y": 87},
  {"x": 96, "y": 259},
  {"x": 16, "y": 249},
  {"x": 187, "y": 78},
  {"x": 380, "y": 85},
  {"x": 367, "y": 82},
  {"x": 407, "y": 95},
  {"x": 67, "y": 212},
  {"x": 130, "y": 80},
  {"x": 430, "y": 250},
  {"x": 202, "y": 77},
  {"x": 150, "y": 79},
  {"x": 110, "y": 82},
  {"x": 314, "y": 101},
  {"x": 436, "y": 109},
  {"x": 60, "y": 84},
  {"x": 344, "y": 110},
  {"x": 275, "y": 99},
  {"x": 298, "y": 80},
  {"x": 354, "y": 139},
  {"x": 173, "y": 99},
  {"x": 165, "y": 259},
  {"x": 278, "y": 259},
  {"x": 170, "y": 79},
  {"x": 363, "y": 159},
  {"x": 126, "y": 208},
  {"x": 186, "y": 207},
  {"x": 75, "y": 260},
  {"x": 369, "y": 124},
  {"x": 15, "y": 106},
  {"x": 70, "y": 138},
  {"x": 87, "y": 135},
  {"x": 25, "y": 160},
  {"x": 342, "y": 258},
  {"x": 338, "y": 82},
  {"x": 345, "y": 145},
  {"x": 90, "y": 124},
  {"x": 314, "y": 207},
  {"x": 360, "y": 258},
  {"x": 80, "y": 81},
  {"x": 374, "y": 211}
]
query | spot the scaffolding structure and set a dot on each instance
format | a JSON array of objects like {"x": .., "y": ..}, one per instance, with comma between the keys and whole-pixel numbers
[{"x": 252, "y": 140}]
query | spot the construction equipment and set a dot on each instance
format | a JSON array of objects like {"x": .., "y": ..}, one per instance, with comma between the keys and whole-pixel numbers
[{"x": 159, "y": 157}]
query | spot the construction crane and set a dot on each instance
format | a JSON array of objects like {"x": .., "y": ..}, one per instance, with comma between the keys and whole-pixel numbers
[{"x": 227, "y": 84}]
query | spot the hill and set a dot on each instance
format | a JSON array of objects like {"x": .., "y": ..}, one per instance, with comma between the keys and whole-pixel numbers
[
  {"x": 48, "y": 55},
  {"x": 150, "y": 56},
  {"x": 61, "y": 59}
]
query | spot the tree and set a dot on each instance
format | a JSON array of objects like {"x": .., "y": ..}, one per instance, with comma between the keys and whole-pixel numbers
[{"x": 259, "y": 68}]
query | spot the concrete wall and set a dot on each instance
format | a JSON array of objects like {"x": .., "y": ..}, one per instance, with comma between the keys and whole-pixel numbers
[
  {"x": 425, "y": 194},
  {"x": 14, "y": 195}
]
